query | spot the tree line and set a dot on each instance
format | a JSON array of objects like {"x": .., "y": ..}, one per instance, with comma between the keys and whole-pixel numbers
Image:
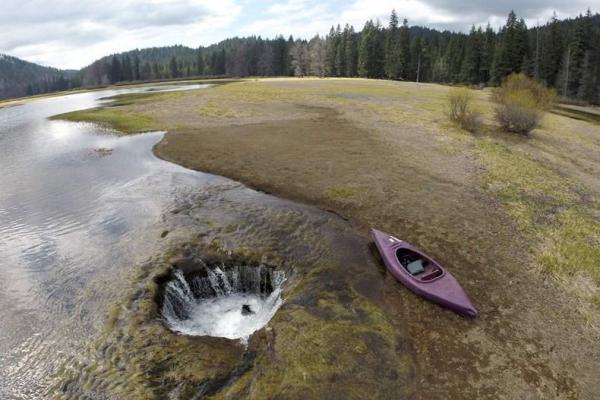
[
  {"x": 21, "y": 78},
  {"x": 564, "y": 54}
]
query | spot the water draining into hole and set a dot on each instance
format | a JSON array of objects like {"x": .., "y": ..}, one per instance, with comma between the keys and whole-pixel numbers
[{"x": 230, "y": 302}]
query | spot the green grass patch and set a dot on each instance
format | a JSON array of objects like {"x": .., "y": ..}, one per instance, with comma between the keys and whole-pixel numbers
[
  {"x": 549, "y": 208},
  {"x": 596, "y": 300},
  {"x": 111, "y": 118},
  {"x": 572, "y": 245},
  {"x": 141, "y": 98},
  {"x": 341, "y": 192},
  {"x": 114, "y": 115},
  {"x": 214, "y": 109}
]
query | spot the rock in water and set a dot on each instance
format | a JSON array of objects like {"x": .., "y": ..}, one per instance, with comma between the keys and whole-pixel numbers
[{"x": 246, "y": 310}]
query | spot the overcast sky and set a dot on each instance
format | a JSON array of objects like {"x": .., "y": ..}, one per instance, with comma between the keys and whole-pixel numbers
[{"x": 73, "y": 33}]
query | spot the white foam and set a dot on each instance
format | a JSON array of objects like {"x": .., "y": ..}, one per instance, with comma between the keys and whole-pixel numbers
[{"x": 221, "y": 315}]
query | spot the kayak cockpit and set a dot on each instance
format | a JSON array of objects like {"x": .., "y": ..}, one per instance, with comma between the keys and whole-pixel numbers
[{"x": 418, "y": 266}]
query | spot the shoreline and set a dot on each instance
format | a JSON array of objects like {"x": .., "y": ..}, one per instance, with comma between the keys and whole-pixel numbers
[
  {"x": 12, "y": 102},
  {"x": 256, "y": 133}
]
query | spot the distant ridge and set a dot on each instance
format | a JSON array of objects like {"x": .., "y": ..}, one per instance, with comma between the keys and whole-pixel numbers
[{"x": 19, "y": 78}]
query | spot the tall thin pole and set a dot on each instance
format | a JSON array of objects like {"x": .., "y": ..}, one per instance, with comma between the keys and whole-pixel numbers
[
  {"x": 418, "y": 66},
  {"x": 536, "y": 72},
  {"x": 567, "y": 72}
]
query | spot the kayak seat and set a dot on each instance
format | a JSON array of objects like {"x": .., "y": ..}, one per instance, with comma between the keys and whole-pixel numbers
[{"x": 416, "y": 267}]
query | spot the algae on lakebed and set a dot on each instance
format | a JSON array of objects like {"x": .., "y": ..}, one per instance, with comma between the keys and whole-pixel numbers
[{"x": 329, "y": 338}]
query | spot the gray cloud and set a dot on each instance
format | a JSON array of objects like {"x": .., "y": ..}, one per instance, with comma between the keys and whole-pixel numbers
[
  {"x": 525, "y": 8},
  {"x": 72, "y": 33},
  {"x": 131, "y": 13}
]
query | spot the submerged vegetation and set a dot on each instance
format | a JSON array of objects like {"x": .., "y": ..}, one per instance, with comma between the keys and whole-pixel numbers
[
  {"x": 111, "y": 118},
  {"x": 324, "y": 328},
  {"x": 116, "y": 117}
]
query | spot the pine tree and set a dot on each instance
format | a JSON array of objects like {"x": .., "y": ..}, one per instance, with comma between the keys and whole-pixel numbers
[
  {"x": 137, "y": 73},
  {"x": 487, "y": 54},
  {"x": 370, "y": 52},
  {"x": 331, "y": 53},
  {"x": 552, "y": 52},
  {"x": 127, "y": 69},
  {"x": 404, "y": 43},
  {"x": 512, "y": 48},
  {"x": 340, "y": 53},
  {"x": 392, "y": 48},
  {"x": 280, "y": 56},
  {"x": 586, "y": 90},
  {"x": 288, "y": 60},
  {"x": 350, "y": 51},
  {"x": 363, "y": 50},
  {"x": 221, "y": 59},
  {"x": 173, "y": 68},
  {"x": 579, "y": 48},
  {"x": 200, "y": 64},
  {"x": 115, "y": 70},
  {"x": 471, "y": 66},
  {"x": 416, "y": 50},
  {"x": 595, "y": 99}
]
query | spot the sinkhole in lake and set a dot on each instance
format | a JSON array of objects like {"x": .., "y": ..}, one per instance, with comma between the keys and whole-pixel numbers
[{"x": 223, "y": 301}]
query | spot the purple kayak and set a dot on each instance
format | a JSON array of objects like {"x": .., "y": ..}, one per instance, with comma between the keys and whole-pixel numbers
[{"x": 421, "y": 274}]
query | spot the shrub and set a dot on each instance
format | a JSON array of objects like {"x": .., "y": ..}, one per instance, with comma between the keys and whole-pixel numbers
[
  {"x": 460, "y": 102},
  {"x": 521, "y": 102},
  {"x": 518, "y": 112}
]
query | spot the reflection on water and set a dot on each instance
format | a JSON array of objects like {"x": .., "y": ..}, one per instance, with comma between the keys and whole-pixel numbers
[{"x": 76, "y": 204}]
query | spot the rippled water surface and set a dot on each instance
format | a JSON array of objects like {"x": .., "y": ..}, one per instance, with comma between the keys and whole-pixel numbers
[{"x": 76, "y": 204}]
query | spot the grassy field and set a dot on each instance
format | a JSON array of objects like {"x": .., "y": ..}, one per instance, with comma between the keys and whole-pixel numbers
[{"x": 516, "y": 219}]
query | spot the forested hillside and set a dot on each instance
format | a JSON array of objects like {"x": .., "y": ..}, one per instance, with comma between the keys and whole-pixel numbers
[
  {"x": 562, "y": 54},
  {"x": 138, "y": 65},
  {"x": 21, "y": 78}
]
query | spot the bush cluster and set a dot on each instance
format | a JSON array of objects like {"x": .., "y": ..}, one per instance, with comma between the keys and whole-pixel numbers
[
  {"x": 461, "y": 111},
  {"x": 521, "y": 102}
]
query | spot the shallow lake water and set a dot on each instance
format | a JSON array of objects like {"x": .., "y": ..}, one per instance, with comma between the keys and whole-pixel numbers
[{"x": 76, "y": 205}]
